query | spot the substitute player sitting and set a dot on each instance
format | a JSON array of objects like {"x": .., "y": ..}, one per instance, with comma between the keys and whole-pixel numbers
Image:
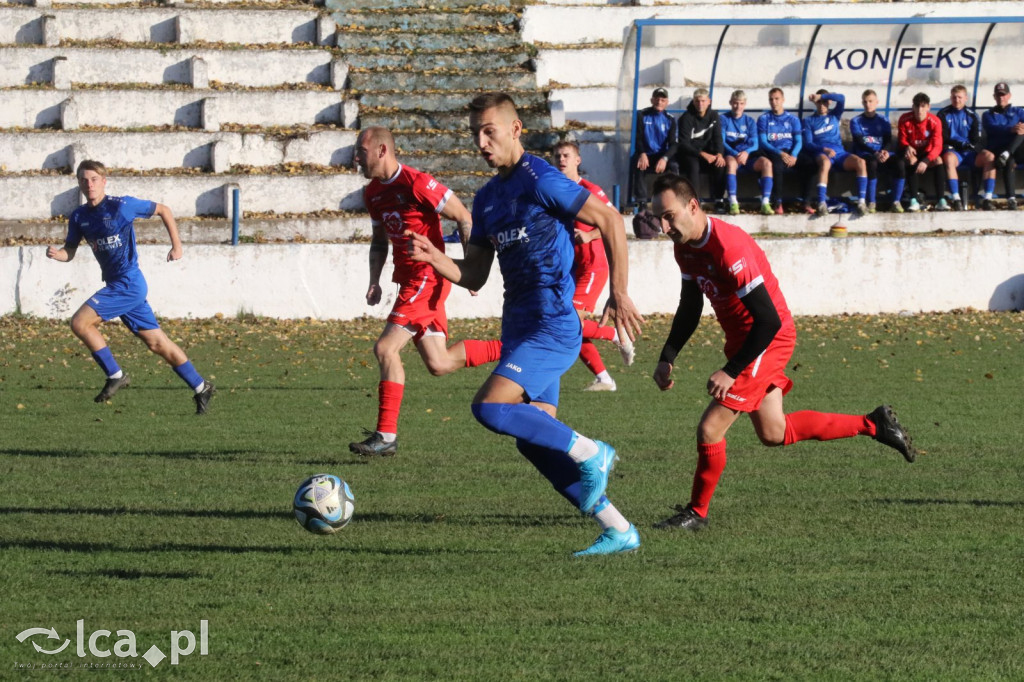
[
  {"x": 591, "y": 265},
  {"x": 401, "y": 199},
  {"x": 108, "y": 225},
  {"x": 824, "y": 144},
  {"x": 724, "y": 263}
]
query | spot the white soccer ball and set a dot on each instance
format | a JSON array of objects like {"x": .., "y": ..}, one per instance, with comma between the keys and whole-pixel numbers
[{"x": 323, "y": 504}]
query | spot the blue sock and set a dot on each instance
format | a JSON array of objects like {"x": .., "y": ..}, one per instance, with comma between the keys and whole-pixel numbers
[
  {"x": 766, "y": 188},
  {"x": 822, "y": 189},
  {"x": 730, "y": 184},
  {"x": 105, "y": 359},
  {"x": 557, "y": 467},
  {"x": 862, "y": 187},
  {"x": 872, "y": 190},
  {"x": 990, "y": 186},
  {"x": 189, "y": 374},
  {"x": 534, "y": 426},
  {"x": 954, "y": 187},
  {"x": 897, "y": 188}
]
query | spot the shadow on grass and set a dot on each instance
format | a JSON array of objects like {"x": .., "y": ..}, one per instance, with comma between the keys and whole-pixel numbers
[
  {"x": 298, "y": 550},
  {"x": 121, "y": 511},
  {"x": 128, "y": 574},
  {"x": 927, "y": 502},
  {"x": 225, "y": 455},
  {"x": 545, "y": 520}
]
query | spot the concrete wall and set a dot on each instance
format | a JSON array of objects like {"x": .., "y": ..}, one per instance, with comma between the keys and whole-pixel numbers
[{"x": 819, "y": 276}]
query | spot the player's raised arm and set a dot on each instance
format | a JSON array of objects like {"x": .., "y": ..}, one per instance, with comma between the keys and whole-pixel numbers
[
  {"x": 470, "y": 272},
  {"x": 595, "y": 212}
]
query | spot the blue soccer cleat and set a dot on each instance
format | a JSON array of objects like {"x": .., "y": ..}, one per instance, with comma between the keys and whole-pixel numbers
[
  {"x": 594, "y": 476},
  {"x": 613, "y": 542}
]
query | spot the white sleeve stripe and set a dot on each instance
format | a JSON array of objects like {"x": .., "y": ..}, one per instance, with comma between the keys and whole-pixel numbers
[
  {"x": 755, "y": 283},
  {"x": 375, "y": 223},
  {"x": 688, "y": 278},
  {"x": 444, "y": 200}
]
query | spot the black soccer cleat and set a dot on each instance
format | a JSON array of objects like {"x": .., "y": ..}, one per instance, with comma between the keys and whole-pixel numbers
[
  {"x": 113, "y": 386},
  {"x": 374, "y": 446},
  {"x": 1011, "y": 204},
  {"x": 958, "y": 205},
  {"x": 686, "y": 518},
  {"x": 987, "y": 205},
  {"x": 888, "y": 431},
  {"x": 203, "y": 398}
]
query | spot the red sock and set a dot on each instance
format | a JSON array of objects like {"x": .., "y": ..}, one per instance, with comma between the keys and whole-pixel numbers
[
  {"x": 591, "y": 357},
  {"x": 591, "y": 330},
  {"x": 390, "y": 402},
  {"x": 810, "y": 425},
  {"x": 481, "y": 352},
  {"x": 710, "y": 464}
]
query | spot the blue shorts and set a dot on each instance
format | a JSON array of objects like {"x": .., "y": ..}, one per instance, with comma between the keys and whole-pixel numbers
[
  {"x": 125, "y": 298},
  {"x": 752, "y": 158},
  {"x": 963, "y": 158},
  {"x": 839, "y": 158},
  {"x": 537, "y": 360}
]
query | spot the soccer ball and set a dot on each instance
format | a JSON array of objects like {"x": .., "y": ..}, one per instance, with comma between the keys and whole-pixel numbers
[{"x": 323, "y": 504}]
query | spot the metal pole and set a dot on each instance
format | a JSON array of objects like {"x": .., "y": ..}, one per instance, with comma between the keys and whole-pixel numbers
[{"x": 235, "y": 193}]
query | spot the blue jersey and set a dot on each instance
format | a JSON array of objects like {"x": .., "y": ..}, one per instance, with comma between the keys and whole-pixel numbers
[
  {"x": 527, "y": 220},
  {"x": 109, "y": 230},
  {"x": 738, "y": 134},
  {"x": 823, "y": 130},
  {"x": 998, "y": 124},
  {"x": 777, "y": 134},
  {"x": 960, "y": 128},
  {"x": 870, "y": 133},
  {"x": 657, "y": 130}
]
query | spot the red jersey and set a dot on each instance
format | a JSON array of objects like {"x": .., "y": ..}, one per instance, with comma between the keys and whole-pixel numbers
[
  {"x": 412, "y": 201},
  {"x": 727, "y": 265},
  {"x": 591, "y": 256},
  {"x": 924, "y": 136}
]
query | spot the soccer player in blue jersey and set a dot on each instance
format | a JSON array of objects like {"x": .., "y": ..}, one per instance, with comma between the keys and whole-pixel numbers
[
  {"x": 739, "y": 134},
  {"x": 525, "y": 216},
  {"x": 655, "y": 146},
  {"x": 107, "y": 224},
  {"x": 780, "y": 138},
  {"x": 823, "y": 142},
  {"x": 1004, "y": 132},
  {"x": 961, "y": 136},
  {"x": 872, "y": 139}
]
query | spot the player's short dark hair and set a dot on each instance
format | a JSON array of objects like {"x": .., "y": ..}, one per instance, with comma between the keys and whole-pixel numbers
[
  {"x": 822, "y": 91},
  {"x": 774, "y": 90},
  {"x": 922, "y": 98},
  {"x": 567, "y": 143},
  {"x": 491, "y": 100},
  {"x": 90, "y": 165},
  {"x": 867, "y": 92},
  {"x": 679, "y": 185}
]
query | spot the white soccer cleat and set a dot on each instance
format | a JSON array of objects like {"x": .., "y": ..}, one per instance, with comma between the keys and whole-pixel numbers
[
  {"x": 627, "y": 350},
  {"x": 599, "y": 385}
]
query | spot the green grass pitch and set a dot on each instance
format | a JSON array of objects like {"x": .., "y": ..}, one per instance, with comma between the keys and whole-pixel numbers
[{"x": 823, "y": 561}]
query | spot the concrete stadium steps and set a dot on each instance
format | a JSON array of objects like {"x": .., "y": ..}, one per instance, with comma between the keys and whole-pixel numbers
[
  {"x": 448, "y": 100},
  {"x": 469, "y": 61},
  {"x": 132, "y": 108},
  {"x": 27, "y": 64},
  {"x": 216, "y": 151},
  {"x": 456, "y": 161},
  {"x": 38, "y": 197},
  {"x": 410, "y": 120},
  {"x": 54, "y": 25},
  {"x": 421, "y": 19},
  {"x": 389, "y": 41},
  {"x": 441, "y": 79},
  {"x": 338, "y": 227},
  {"x": 430, "y": 5}
]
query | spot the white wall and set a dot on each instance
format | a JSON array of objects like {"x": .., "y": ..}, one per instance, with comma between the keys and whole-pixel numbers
[{"x": 819, "y": 276}]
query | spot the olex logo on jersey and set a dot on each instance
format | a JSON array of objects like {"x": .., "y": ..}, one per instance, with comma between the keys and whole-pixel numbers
[{"x": 98, "y": 643}]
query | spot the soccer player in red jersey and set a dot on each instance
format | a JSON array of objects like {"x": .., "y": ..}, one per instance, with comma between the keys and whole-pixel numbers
[
  {"x": 400, "y": 199},
  {"x": 724, "y": 263},
  {"x": 591, "y": 276}
]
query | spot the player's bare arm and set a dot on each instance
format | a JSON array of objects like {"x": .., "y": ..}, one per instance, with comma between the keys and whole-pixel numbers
[
  {"x": 470, "y": 272},
  {"x": 171, "y": 226},
  {"x": 628, "y": 320},
  {"x": 378, "y": 257}
]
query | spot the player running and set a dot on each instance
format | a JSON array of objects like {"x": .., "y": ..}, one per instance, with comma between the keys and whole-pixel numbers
[
  {"x": 525, "y": 215},
  {"x": 591, "y": 266},
  {"x": 401, "y": 200},
  {"x": 108, "y": 225},
  {"x": 723, "y": 262}
]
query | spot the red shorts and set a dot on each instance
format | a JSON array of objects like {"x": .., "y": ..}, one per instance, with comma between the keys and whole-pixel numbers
[
  {"x": 767, "y": 371},
  {"x": 420, "y": 305},
  {"x": 589, "y": 285}
]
